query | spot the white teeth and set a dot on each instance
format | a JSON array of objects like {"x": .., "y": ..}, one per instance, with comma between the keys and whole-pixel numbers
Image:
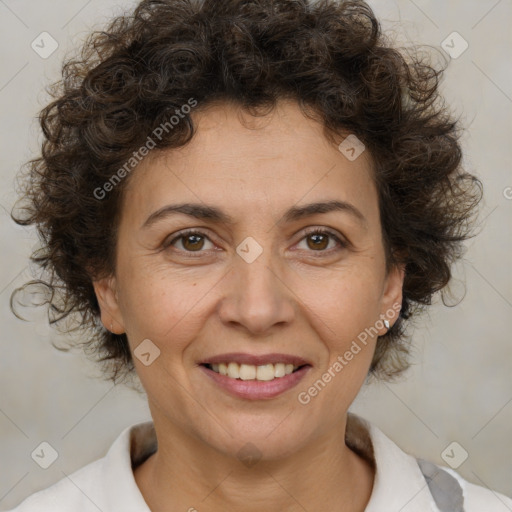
[
  {"x": 280, "y": 369},
  {"x": 247, "y": 372},
  {"x": 251, "y": 372},
  {"x": 233, "y": 371},
  {"x": 265, "y": 372}
]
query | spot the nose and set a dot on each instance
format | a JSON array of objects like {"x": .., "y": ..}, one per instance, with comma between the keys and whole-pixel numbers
[{"x": 256, "y": 297}]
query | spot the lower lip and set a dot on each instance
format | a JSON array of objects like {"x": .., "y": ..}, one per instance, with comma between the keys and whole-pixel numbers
[{"x": 257, "y": 389}]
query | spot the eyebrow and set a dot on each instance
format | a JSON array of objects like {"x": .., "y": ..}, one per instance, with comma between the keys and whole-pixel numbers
[{"x": 213, "y": 214}]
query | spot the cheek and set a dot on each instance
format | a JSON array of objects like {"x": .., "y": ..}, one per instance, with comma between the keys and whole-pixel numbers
[
  {"x": 343, "y": 312},
  {"x": 162, "y": 305},
  {"x": 347, "y": 300}
]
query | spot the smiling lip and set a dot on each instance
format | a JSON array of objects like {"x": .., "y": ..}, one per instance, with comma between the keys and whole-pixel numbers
[{"x": 255, "y": 389}]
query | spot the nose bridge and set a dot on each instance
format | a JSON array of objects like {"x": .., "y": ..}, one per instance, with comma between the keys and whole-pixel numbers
[{"x": 257, "y": 297}]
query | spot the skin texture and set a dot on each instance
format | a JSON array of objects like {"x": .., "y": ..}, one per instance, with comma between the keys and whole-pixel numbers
[{"x": 295, "y": 298}]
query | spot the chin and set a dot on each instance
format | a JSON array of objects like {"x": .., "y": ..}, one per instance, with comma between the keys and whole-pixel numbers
[{"x": 265, "y": 440}]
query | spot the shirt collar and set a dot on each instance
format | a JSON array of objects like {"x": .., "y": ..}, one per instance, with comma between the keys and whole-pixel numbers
[
  {"x": 399, "y": 484},
  {"x": 121, "y": 490}
]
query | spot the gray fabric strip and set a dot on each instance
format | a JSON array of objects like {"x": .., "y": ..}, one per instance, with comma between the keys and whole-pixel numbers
[{"x": 445, "y": 489}]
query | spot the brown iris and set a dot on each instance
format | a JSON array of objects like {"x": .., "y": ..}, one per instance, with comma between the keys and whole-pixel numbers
[
  {"x": 197, "y": 242},
  {"x": 322, "y": 245}
]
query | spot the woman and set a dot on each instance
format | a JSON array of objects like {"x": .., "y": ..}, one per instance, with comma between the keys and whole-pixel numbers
[{"x": 254, "y": 198}]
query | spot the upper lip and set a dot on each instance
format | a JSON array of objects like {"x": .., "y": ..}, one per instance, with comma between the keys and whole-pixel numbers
[{"x": 256, "y": 360}]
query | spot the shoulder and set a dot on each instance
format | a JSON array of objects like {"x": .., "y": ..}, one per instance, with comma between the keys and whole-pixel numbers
[
  {"x": 69, "y": 493},
  {"x": 105, "y": 484},
  {"x": 478, "y": 498},
  {"x": 403, "y": 482},
  {"x": 450, "y": 491}
]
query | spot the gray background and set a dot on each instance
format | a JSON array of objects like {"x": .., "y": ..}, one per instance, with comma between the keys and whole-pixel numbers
[{"x": 460, "y": 386}]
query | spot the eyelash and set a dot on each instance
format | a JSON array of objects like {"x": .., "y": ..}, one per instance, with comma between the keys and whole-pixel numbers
[{"x": 314, "y": 231}]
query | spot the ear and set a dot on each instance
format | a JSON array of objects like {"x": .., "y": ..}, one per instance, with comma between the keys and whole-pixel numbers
[
  {"x": 106, "y": 293},
  {"x": 391, "y": 300}
]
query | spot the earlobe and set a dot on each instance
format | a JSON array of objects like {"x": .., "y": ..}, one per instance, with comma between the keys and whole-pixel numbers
[{"x": 107, "y": 296}]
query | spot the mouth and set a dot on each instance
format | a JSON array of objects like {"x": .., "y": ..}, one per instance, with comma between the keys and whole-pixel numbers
[{"x": 254, "y": 377}]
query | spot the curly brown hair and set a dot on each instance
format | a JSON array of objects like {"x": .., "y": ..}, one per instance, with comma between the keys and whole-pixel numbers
[{"x": 330, "y": 56}]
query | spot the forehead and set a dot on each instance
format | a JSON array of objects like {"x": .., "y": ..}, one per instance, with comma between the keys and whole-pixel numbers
[
  {"x": 226, "y": 133},
  {"x": 244, "y": 163}
]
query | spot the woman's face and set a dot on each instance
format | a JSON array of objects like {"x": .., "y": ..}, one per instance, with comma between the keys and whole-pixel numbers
[{"x": 256, "y": 285}]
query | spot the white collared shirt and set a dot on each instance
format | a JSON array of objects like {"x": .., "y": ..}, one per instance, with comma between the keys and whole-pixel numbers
[{"x": 108, "y": 484}]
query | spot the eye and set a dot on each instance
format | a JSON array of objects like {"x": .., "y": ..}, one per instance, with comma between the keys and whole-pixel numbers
[
  {"x": 193, "y": 241},
  {"x": 190, "y": 241},
  {"x": 317, "y": 240}
]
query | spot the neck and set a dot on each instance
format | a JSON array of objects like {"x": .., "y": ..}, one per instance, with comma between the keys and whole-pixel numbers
[{"x": 184, "y": 474}]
